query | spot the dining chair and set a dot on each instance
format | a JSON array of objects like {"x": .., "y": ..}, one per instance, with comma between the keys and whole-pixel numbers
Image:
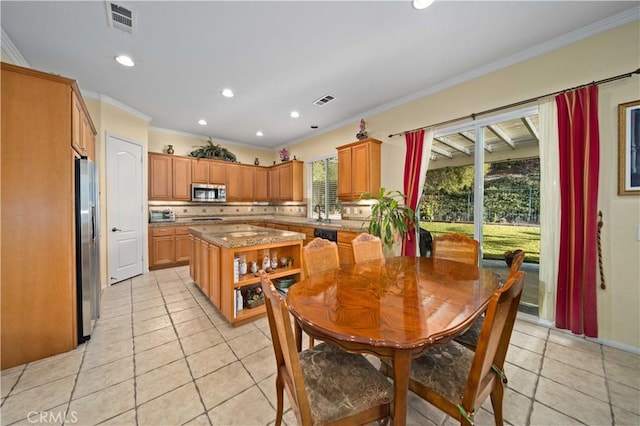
[
  {"x": 457, "y": 380},
  {"x": 324, "y": 384},
  {"x": 470, "y": 337},
  {"x": 366, "y": 247},
  {"x": 320, "y": 255},
  {"x": 457, "y": 247}
]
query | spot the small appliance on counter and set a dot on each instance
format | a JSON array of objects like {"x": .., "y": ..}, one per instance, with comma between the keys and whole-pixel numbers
[
  {"x": 206, "y": 193},
  {"x": 162, "y": 215}
]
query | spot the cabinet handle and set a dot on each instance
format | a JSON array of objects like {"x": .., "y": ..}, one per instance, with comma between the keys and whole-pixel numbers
[{"x": 114, "y": 229}]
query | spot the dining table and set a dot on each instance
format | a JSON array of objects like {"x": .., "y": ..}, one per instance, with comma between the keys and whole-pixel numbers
[{"x": 394, "y": 308}]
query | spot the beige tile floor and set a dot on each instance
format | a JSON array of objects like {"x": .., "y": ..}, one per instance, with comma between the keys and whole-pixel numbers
[{"x": 162, "y": 355}]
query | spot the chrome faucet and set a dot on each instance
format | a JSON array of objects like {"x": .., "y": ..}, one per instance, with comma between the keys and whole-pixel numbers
[{"x": 317, "y": 209}]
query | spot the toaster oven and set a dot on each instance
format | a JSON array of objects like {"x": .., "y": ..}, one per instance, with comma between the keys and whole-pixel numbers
[{"x": 162, "y": 215}]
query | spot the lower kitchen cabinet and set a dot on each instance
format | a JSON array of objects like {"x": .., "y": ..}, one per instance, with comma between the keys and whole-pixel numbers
[
  {"x": 345, "y": 251},
  {"x": 169, "y": 246}
]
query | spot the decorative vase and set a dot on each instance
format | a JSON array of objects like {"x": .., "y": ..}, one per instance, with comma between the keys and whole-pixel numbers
[
  {"x": 170, "y": 149},
  {"x": 254, "y": 266},
  {"x": 285, "y": 159},
  {"x": 256, "y": 161}
]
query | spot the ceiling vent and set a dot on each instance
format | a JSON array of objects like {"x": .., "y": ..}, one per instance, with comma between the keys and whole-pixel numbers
[
  {"x": 323, "y": 100},
  {"x": 120, "y": 18}
]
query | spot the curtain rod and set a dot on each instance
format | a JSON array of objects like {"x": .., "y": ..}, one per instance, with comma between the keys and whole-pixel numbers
[{"x": 515, "y": 104}]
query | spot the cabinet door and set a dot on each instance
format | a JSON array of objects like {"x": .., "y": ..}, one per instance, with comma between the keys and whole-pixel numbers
[
  {"x": 76, "y": 124},
  {"x": 214, "y": 275},
  {"x": 183, "y": 248},
  {"x": 234, "y": 186},
  {"x": 344, "y": 173},
  {"x": 274, "y": 183},
  {"x": 182, "y": 178},
  {"x": 359, "y": 170},
  {"x": 247, "y": 180},
  {"x": 261, "y": 184},
  {"x": 163, "y": 251},
  {"x": 89, "y": 140},
  {"x": 160, "y": 177},
  {"x": 286, "y": 182},
  {"x": 345, "y": 250},
  {"x": 199, "y": 171},
  {"x": 217, "y": 172},
  {"x": 203, "y": 259}
]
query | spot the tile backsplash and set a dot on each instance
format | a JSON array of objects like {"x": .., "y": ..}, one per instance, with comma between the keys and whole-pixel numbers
[{"x": 183, "y": 211}]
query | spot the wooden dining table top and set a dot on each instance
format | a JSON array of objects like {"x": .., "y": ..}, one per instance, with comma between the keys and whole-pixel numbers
[{"x": 401, "y": 302}]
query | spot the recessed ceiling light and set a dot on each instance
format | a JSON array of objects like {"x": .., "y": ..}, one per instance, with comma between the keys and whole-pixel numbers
[
  {"x": 124, "y": 60},
  {"x": 202, "y": 122},
  {"x": 422, "y": 4},
  {"x": 294, "y": 114},
  {"x": 259, "y": 133},
  {"x": 227, "y": 93}
]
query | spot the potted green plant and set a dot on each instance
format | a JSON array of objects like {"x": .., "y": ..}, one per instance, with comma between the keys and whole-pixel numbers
[{"x": 390, "y": 219}]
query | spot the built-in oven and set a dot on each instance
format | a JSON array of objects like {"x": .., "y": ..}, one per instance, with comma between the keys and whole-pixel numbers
[{"x": 204, "y": 193}]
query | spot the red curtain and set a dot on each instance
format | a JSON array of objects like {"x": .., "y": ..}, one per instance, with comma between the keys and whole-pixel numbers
[
  {"x": 579, "y": 154},
  {"x": 412, "y": 164}
]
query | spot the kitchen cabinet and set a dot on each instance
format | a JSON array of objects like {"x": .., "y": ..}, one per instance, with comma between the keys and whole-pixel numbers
[
  {"x": 82, "y": 130},
  {"x": 181, "y": 178},
  {"x": 345, "y": 250},
  {"x": 169, "y": 177},
  {"x": 41, "y": 136},
  {"x": 240, "y": 182},
  {"x": 285, "y": 181},
  {"x": 358, "y": 169},
  {"x": 260, "y": 184},
  {"x": 207, "y": 171},
  {"x": 306, "y": 230},
  {"x": 169, "y": 246}
]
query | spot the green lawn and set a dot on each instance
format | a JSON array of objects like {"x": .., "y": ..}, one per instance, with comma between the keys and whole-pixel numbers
[{"x": 497, "y": 238}]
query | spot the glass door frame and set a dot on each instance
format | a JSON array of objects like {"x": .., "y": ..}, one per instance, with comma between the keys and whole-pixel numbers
[{"x": 478, "y": 162}]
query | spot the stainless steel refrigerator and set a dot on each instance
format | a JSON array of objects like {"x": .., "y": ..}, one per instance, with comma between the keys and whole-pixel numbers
[{"x": 87, "y": 246}]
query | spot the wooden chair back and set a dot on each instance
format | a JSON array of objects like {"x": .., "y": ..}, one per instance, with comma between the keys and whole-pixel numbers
[
  {"x": 516, "y": 263},
  {"x": 288, "y": 363},
  {"x": 492, "y": 346},
  {"x": 366, "y": 247},
  {"x": 457, "y": 247},
  {"x": 320, "y": 256}
]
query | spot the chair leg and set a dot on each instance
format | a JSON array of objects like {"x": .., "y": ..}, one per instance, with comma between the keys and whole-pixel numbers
[
  {"x": 497, "y": 395},
  {"x": 280, "y": 400},
  {"x": 311, "y": 342}
]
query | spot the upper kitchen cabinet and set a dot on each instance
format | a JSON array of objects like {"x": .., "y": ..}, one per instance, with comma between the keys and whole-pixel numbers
[
  {"x": 40, "y": 114},
  {"x": 169, "y": 177},
  {"x": 358, "y": 168},
  {"x": 208, "y": 171},
  {"x": 260, "y": 184},
  {"x": 285, "y": 181},
  {"x": 240, "y": 179},
  {"x": 82, "y": 130}
]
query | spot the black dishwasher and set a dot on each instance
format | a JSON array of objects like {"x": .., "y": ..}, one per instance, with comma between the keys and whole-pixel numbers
[{"x": 327, "y": 234}]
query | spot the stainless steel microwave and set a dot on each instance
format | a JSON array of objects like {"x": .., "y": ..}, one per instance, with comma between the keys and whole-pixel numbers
[{"x": 208, "y": 193}]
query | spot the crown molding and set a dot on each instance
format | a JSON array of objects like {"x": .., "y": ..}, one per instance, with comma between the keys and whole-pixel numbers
[
  {"x": 106, "y": 99},
  {"x": 606, "y": 24},
  {"x": 205, "y": 137},
  {"x": 13, "y": 54}
]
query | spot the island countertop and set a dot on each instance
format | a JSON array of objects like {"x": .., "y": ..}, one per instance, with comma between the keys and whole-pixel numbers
[{"x": 240, "y": 235}]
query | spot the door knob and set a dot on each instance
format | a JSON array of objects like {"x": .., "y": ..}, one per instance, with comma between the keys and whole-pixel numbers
[{"x": 114, "y": 229}]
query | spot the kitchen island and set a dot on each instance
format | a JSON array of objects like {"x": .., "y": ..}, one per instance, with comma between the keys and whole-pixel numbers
[{"x": 218, "y": 253}]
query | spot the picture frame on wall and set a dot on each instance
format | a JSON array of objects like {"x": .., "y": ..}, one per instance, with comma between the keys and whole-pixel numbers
[{"x": 629, "y": 148}]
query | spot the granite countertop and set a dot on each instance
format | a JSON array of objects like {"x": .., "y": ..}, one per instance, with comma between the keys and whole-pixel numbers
[
  {"x": 340, "y": 225},
  {"x": 239, "y": 235}
]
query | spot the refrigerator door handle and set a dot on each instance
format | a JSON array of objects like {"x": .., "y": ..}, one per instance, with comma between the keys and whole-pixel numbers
[{"x": 93, "y": 223}]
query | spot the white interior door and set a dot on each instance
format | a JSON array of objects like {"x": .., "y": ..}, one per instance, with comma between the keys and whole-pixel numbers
[{"x": 124, "y": 209}]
